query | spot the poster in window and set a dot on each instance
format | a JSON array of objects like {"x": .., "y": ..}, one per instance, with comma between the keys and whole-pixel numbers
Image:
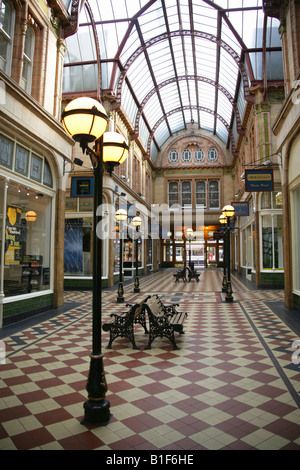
[{"x": 13, "y": 231}]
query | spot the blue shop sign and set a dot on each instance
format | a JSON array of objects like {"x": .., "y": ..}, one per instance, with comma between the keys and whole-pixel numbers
[
  {"x": 241, "y": 208},
  {"x": 82, "y": 186},
  {"x": 259, "y": 180}
]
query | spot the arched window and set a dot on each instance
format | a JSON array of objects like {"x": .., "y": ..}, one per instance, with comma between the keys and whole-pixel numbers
[
  {"x": 199, "y": 155},
  {"x": 186, "y": 156},
  {"x": 212, "y": 155},
  {"x": 7, "y": 25},
  {"x": 173, "y": 156}
]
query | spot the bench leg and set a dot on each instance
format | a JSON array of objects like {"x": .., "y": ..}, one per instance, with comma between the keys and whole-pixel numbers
[
  {"x": 129, "y": 334},
  {"x": 167, "y": 333}
]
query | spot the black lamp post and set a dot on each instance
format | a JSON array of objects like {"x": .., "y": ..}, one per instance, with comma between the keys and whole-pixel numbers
[
  {"x": 85, "y": 120},
  {"x": 136, "y": 222},
  {"x": 223, "y": 221},
  {"x": 228, "y": 212},
  {"x": 121, "y": 216},
  {"x": 190, "y": 232}
]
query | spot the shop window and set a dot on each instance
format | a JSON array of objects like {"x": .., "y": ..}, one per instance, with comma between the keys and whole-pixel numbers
[
  {"x": 272, "y": 241},
  {"x": 199, "y": 155},
  {"x": 186, "y": 156},
  {"x": 27, "y": 243},
  {"x": 78, "y": 243},
  {"x": 271, "y": 200},
  {"x": 173, "y": 156},
  {"x": 173, "y": 194},
  {"x": 186, "y": 194},
  {"x": 212, "y": 155},
  {"x": 296, "y": 241},
  {"x": 201, "y": 193},
  {"x": 26, "y": 79},
  {"x": 213, "y": 195},
  {"x": 7, "y": 23}
]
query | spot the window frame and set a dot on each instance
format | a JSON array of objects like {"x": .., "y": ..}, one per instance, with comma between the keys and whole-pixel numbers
[{"x": 8, "y": 39}]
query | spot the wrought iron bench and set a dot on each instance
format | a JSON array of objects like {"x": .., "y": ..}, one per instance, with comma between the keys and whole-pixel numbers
[
  {"x": 180, "y": 275},
  {"x": 122, "y": 324},
  {"x": 164, "y": 320},
  {"x": 192, "y": 274}
]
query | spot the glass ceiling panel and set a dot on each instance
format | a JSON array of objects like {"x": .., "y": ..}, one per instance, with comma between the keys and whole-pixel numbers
[
  {"x": 132, "y": 44},
  {"x": 172, "y": 58},
  {"x": 206, "y": 95},
  {"x": 162, "y": 134}
]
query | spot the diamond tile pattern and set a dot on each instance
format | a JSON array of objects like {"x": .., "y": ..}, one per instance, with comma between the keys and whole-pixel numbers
[{"x": 232, "y": 384}]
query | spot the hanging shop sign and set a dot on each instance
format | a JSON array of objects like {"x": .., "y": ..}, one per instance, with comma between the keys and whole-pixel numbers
[
  {"x": 259, "y": 180},
  {"x": 82, "y": 187},
  {"x": 241, "y": 208}
]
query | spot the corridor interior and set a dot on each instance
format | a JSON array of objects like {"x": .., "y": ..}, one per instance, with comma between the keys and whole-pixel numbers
[{"x": 233, "y": 384}]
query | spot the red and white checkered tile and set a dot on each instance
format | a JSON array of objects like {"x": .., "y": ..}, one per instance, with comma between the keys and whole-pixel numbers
[{"x": 232, "y": 385}]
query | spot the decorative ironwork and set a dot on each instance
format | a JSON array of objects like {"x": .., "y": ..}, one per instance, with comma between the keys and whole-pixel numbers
[
  {"x": 273, "y": 8},
  {"x": 194, "y": 78},
  {"x": 73, "y": 22},
  {"x": 199, "y": 34},
  {"x": 199, "y": 108}
]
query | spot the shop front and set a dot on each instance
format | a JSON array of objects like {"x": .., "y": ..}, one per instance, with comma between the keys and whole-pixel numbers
[{"x": 27, "y": 214}]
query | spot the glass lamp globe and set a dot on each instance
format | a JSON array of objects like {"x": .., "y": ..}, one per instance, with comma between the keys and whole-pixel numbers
[
  {"x": 228, "y": 211},
  {"x": 84, "y": 119},
  {"x": 121, "y": 214}
]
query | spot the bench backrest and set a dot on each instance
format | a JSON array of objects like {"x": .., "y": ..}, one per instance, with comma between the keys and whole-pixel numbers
[{"x": 155, "y": 305}]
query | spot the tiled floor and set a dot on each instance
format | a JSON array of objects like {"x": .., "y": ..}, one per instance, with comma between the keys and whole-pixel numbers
[{"x": 232, "y": 385}]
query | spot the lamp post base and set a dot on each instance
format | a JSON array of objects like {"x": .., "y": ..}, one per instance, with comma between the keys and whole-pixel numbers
[
  {"x": 224, "y": 284},
  {"x": 120, "y": 298},
  {"x": 96, "y": 413},
  {"x": 229, "y": 297},
  {"x": 96, "y": 408},
  {"x": 136, "y": 285}
]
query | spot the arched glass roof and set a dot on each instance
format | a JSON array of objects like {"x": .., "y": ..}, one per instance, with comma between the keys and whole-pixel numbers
[{"x": 169, "y": 63}]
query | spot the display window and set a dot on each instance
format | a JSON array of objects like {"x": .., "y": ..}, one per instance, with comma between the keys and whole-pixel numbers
[{"x": 25, "y": 239}]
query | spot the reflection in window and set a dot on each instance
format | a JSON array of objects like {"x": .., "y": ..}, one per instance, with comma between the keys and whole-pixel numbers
[
  {"x": 77, "y": 253},
  {"x": 173, "y": 194},
  {"x": 201, "y": 193},
  {"x": 186, "y": 193}
]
